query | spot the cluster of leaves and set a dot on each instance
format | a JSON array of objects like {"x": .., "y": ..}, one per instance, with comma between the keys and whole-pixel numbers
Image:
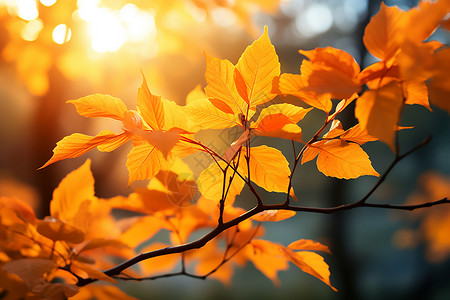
[{"x": 75, "y": 242}]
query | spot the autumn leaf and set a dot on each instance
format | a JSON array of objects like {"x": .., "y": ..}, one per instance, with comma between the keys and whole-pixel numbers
[
  {"x": 266, "y": 257},
  {"x": 311, "y": 263},
  {"x": 238, "y": 89},
  {"x": 337, "y": 158},
  {"x": 294, "y": 84},
  {"x": 330, "y": 71},
  {"x": 257, "y": 67},
  {"x": 30, "y": 270},
  {"x": 305, "y": 244},
  {"x": 273, "y": 215},
  {"x": 380, "y": 35},
  {"x": 101, "y": 292},
  {"x": 268, "y": 167},
  {"x": 384, "y": 104},
  {"x": 439, "y": 86},
  {"x": 59, "y": 231},
  {"x": 71, "y": 192},
  {"x": 280, "y": 120},
  {"x": 91, "y": 272},
  {"x": 155, "y": 129}
]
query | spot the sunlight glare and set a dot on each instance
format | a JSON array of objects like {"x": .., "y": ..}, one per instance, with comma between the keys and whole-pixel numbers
[
  {"x": 48, "y": 2},
  {"x": 27, "y": 9},
  {"x": 61, "y": 34}
]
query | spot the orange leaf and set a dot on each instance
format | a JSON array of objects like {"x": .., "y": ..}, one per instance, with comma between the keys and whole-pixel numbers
[
  {"x": 258, "y": 66},
  {"x": 380, "y": 35},
  {"x": 59, "y": 231},
  {"x": 276, "y": 116},
  {"x": 311, "y": 263},
  {"x": 221, "y": 105},
  {"x": 331, "y": 71},
  {"x": 75, "y": 188},
  {"x": 266, "y": 257},
  {"x": 357, "y": 134},
  {"x": 383, "y": 104},
  {"x": 101, "y": 292},
  {"x": 30, "y": 270},
  {"x": 78, "y": 144},
  {"x": 273, "y": 215},
  {"x": 99, "y": 105},
  {"x": 293, "y": 84},
  {"x": 335, "y": 130},
  {"x": 269, "y": 168},
  {"x": 150, "y": 107},
  {"x": 289, "y": 131},
  {"x": 93, "y": 273},
  {"x": 416, "y": 93},
  {"x": 305, "y": 244},
  {"x": 340, "y": 159},
  {"x": 241, "y": 86}
]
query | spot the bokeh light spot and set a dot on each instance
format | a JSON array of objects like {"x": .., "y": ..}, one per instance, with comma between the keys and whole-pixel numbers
[
  {"x": 30, "y": 31},
  {"x": 61, "y": 34},
  {"x": 316, "y": 19}
]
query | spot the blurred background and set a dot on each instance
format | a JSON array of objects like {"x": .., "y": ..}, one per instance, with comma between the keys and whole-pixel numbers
[{"x": 54, "y": 51}]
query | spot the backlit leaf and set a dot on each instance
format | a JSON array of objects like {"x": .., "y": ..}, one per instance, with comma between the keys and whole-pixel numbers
[
  {"x": 75, "y": 188},
  {"x": 380, "y": 35},
  {"x": 144, "y": 161},
  {"x": 258, "y": 66},
  {"x": 337, "y": 158},
  {"x": 378, "y": 111},
  {"x": 220, "y": 78},
  {"x": 273, "y": 215},
  {"x": 311, "y": 263},
  {"x": 78, "y": 144},
  {"x": 293, "y": 84},
  {"x": 99, "y": 105},
  {"x": 305, "y": 244},
  {"x": 269, "y": 168},
  {"x": 150, "y": 107}
]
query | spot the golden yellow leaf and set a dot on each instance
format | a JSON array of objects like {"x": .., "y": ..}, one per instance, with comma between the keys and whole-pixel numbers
[
  {"x": 144, "y": 161},
  {"x": 78, "y": 144},
  {"x": 207, "y": 116},
  {"x": 75, "y": 188},
  {"x": 221, "y": 87},
  {"x": 258, "y": 66},
  {"x": 101, "y": 292},
  {"x": 269, "y": 168},
  {"x": 150, "y": 107},
  {"x": 99, "y": 105}
]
